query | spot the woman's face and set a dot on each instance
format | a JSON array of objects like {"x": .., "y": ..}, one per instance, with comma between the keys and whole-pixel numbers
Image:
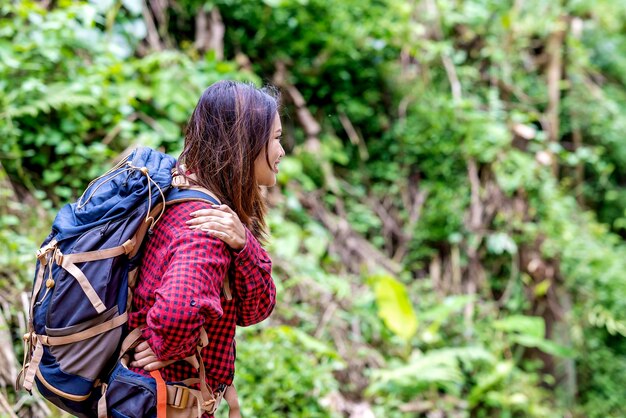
[{"x": 266, "y": 175}]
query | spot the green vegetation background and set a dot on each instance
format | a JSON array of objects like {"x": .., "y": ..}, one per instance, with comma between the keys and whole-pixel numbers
[{"x": 448, "y": 230}]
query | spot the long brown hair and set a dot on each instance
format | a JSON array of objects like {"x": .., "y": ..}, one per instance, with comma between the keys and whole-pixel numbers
[{"x": 229, "y": 128}]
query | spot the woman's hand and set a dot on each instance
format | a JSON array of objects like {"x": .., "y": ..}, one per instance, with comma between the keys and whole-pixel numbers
[
  {"x": 220, "y": 222},
  {"x": 145, "y": 357}
]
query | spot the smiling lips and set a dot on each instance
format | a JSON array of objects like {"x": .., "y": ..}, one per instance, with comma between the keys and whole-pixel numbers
[{"x": 275, "y": 168}]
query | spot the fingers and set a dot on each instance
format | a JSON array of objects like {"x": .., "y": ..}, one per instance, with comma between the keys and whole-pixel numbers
[
  {"x": 226, "y": 209},
  {"x": 157, "y": 365},
  {"x": 150, "y": 363},
  {"x": 220, "y": 222},
  {"x": 142, "y": 346},
  {"x": 145, "y": 357},
  {"x": 143, "y": 361},
  {"x": 211, "y": 215},
  {"x": 221, "y": 225},
  {"x": 141, "y": 355},
  {"x": 218, "y": 234},
  {"x": 221, "y": 211},
  {"x": 215, "y": 225}
]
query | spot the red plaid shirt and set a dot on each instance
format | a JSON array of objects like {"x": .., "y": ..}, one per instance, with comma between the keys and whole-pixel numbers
[{"x": 180, "y": 290}]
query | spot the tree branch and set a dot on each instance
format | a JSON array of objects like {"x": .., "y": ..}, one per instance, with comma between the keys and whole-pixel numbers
[
  {"x": 154, "y": 40},
  {"x": 554, "y": 74}
]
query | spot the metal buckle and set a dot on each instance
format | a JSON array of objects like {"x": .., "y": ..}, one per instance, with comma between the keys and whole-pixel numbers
[
  {"x": 44, "y": 251},
  {"x": 181, "y": 397}
]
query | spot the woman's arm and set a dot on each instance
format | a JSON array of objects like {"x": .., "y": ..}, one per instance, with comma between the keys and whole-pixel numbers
[
  {"x": 234, "y": 410},
  {"x": 254, "y": 286},
  {"x": 189, "y": 293}
]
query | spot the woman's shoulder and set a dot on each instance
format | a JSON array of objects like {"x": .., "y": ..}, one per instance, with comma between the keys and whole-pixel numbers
[
  {"x": 178, "y": 214},
  {"x": 173, "y": 223}
]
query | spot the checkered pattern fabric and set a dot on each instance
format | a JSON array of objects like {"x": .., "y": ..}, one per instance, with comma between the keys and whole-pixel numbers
[{"x": 180, "y": 290}]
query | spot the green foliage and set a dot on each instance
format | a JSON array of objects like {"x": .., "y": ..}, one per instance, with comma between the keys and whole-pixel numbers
[
  {"x": 76, "y": 99},
  {"x": 292, "y": 381},
  {"x": 434, "y": 147}
]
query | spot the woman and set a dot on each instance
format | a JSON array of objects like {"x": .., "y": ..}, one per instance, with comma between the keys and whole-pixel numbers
[{"x": 232, "y": 148}]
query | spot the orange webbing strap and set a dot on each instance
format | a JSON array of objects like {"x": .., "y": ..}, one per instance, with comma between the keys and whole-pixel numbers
[{"x": 161, "y": 394}]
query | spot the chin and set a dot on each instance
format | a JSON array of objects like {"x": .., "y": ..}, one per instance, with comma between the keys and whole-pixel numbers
[{"x": 269, "y": 182}]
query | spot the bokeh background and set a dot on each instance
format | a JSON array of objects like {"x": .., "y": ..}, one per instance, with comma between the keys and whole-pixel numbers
[{"x": 448, "y": 228}]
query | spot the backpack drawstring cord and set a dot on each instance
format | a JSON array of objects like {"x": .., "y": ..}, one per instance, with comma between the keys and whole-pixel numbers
[
  {"x": 92, "y": 182},
  {"x": 111, "y": 174},
  {"x": 149, "y": 218}
]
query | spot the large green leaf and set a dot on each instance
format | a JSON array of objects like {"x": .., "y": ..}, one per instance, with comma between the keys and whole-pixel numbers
[
  {"x": 394, "y": 306},
  {"x": 532, "y": 326}
]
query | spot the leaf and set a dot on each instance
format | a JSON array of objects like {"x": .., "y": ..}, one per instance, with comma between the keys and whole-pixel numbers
[
  {"x": 547, "y": 346},
  {"x": 421, "y": 371},
  {"x": 487, "y": 382},
  {"x": 287, "y": 240},
  {"x": 290, "y": 168},
  {"x": 311, "y": 344},
  {"x": 394, "y": 305},
  {"x": 532, "y": 326},
  {"x": 436, "y": 366},
  {"x": 500, "y": 243},
  {"x": 9, "y": 220},
  {"x": 542, "y": 288},
  {"x": 316, "y": 242},
  {"x": 133, "y": 6}
]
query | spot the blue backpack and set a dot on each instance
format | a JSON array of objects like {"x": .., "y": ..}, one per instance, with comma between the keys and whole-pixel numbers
[{"x": 85, "y": 271}]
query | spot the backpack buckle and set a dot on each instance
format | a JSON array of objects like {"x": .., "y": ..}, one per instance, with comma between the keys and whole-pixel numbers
[
  {"x": 181, "y": 397},
  {"x": 45, "y": 250}
]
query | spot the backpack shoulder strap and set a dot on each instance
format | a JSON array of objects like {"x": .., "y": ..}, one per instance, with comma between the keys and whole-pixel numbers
[
  {"x": 182, "y": 190},
  {"x": 180, "y": 194}
]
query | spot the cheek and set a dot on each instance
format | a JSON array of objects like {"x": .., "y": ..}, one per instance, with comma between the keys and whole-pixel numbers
[
  {"x": 275, "y": 152},
  {"x": 260, "y": 166}
]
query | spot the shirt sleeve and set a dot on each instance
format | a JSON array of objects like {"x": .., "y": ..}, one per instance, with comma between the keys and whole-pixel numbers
[
  {"x": 188, "y": 295},
  {"x": 254, "y": 286}
]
